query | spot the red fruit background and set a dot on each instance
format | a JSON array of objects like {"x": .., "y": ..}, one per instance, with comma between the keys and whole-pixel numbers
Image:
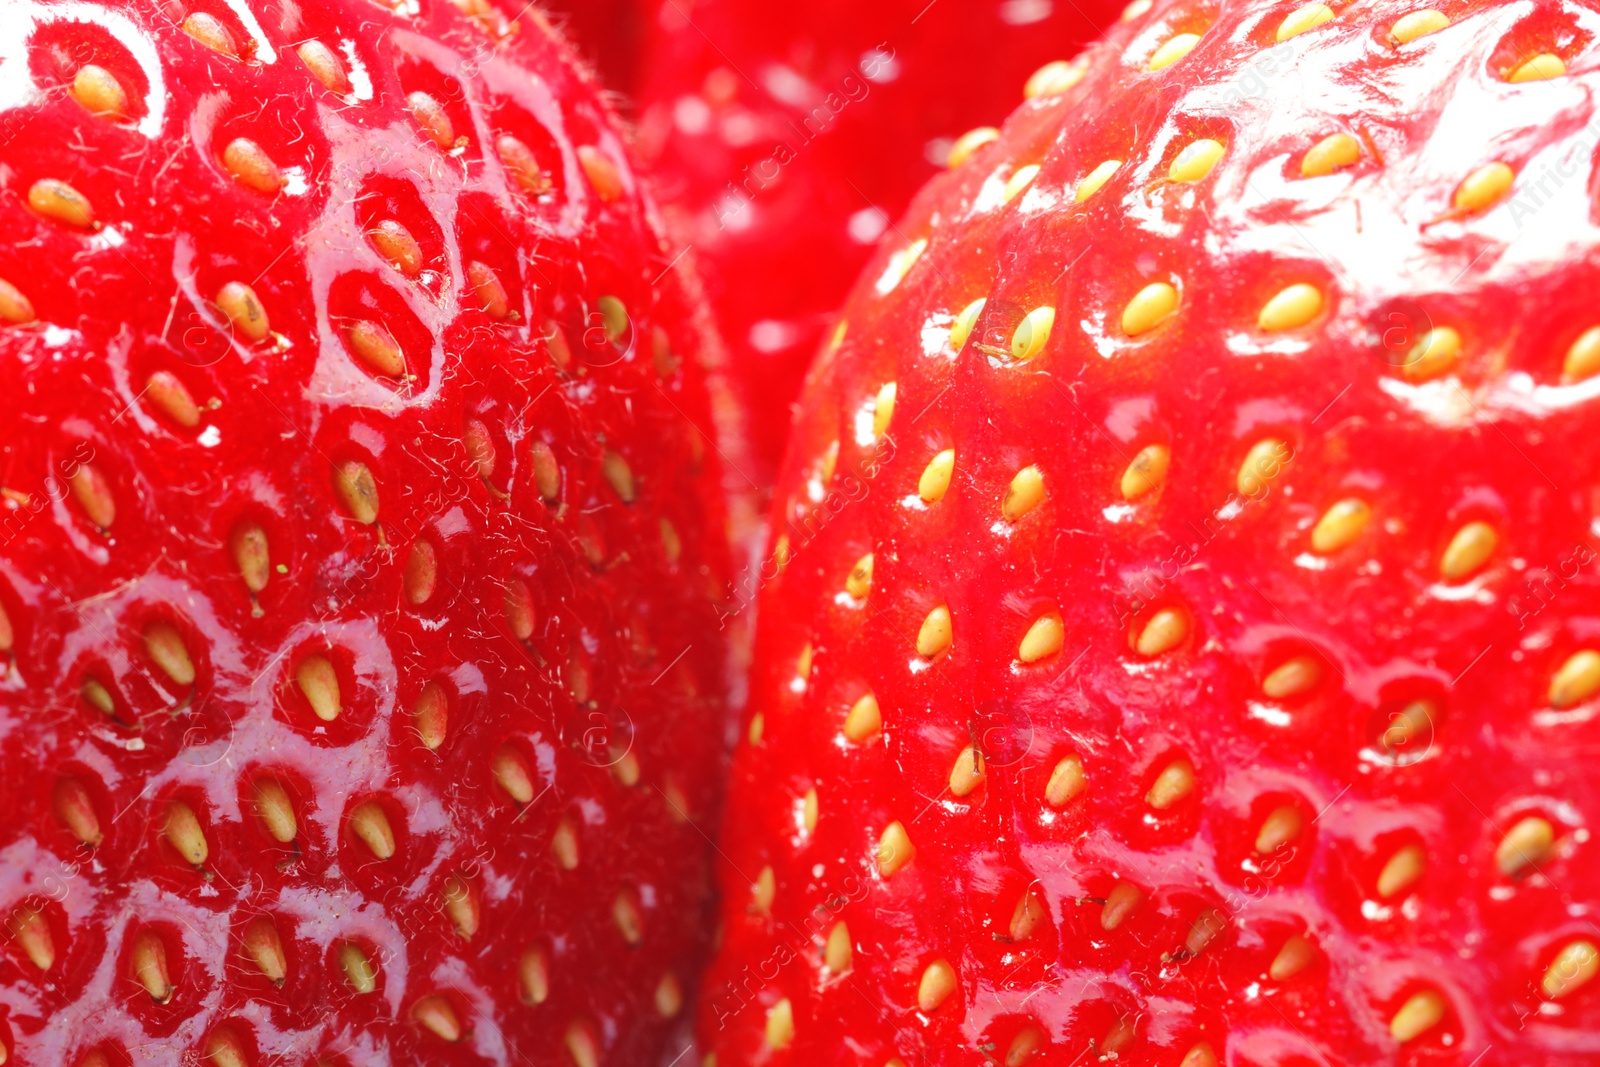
[
  {"x": 606, "y": 33},
  {"x": 787, "y": 139}
]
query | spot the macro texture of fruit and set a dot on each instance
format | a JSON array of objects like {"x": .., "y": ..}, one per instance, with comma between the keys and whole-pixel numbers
[
  {"x": 1181, "y": 640},
  {"x": 787, "y": 138},
  {"x": 361, "y": 684}
]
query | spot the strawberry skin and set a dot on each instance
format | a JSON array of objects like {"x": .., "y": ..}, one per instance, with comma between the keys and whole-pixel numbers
[
  {"x": 786, "y": 138},
  {"x": 361, "y": 685},
  {"x": 1181, "y": 641}
]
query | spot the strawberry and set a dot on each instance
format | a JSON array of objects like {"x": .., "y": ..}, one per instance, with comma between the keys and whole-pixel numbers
[
  {"x": 361, "y": 685},
  {"x": 1181, "y": 641},
  {"x": 786, "y": 138}
]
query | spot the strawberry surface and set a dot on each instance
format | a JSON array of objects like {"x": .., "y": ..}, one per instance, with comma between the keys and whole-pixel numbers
[
  {"x": 361, "y": 681},
  {"x": 1181, "y": 639},
  {"x": 787, "y": 138}
]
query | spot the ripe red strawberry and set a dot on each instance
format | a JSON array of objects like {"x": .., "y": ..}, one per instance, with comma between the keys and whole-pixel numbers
[
  {"x": 1182, "y": 641},
  {"x": 361, "y": 686},
  {"x": 787, "y": 138}
]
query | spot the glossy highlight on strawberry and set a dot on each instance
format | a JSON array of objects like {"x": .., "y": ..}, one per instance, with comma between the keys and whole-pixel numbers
[
  {"x": 1180, "y": 643},
  {"x": 360, "y": 682}
]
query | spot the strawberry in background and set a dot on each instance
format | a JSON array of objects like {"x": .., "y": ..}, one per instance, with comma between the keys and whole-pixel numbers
[
  {"x": 360, "y": 686},
  {"x": 787, "y": 139},
  {"x": 1181, "y": 642}
]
